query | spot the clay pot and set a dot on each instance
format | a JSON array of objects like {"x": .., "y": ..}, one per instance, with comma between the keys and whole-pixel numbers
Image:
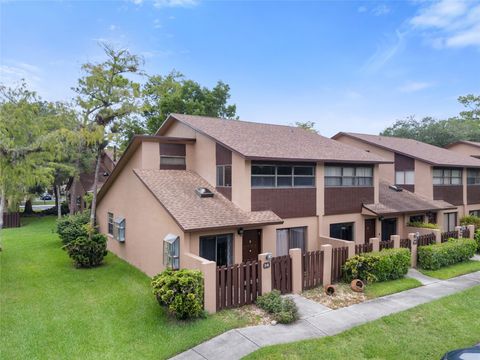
[
  {"x": 357, "y": 285},
  {"x": 329, "y": 290}
]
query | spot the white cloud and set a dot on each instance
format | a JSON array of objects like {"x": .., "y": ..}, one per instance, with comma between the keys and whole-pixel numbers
[
  {"x": 380, "y": 10},
  {"x": 385, "y": 52},
  {"x": 448, "y": 23},
  {"x": 414, "y": 86},
  {"x": 11, "y": 74},
  {"x": 157, "y": 24},
  {"x": 174, "y": 3},
  {"x": 137, "y": 2}
]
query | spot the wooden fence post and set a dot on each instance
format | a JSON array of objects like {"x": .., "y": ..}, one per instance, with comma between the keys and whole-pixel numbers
[
  {"x": 297, "y": 278},
  {"x": 375, "y": 244},
  {"x": 327, "y": 264},
  {"x": 471, "y": 229},
  {"x": 266, "y": 269},
  {"x": 413, "y": 249},
  {"x": 396, "y": 241}
]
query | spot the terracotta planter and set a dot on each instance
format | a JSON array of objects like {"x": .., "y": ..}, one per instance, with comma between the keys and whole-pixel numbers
[
  {"x": 357, "y": 285},
  {"x": 329, "y": 290}
]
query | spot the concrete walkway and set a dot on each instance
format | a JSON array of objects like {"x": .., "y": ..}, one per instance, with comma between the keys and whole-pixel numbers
[
  {"x": 424, "y": 279},
  {"x": 318, "y": 321}
]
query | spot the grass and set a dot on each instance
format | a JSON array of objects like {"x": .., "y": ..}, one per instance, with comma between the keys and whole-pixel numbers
[
  {"x": 379, "y": 289},
  {"x": 453, "y": 270},
  {"x": 43, "y": 202},
  {"x": 50, "y": 310},
  {"x": 424, "y": 332}
]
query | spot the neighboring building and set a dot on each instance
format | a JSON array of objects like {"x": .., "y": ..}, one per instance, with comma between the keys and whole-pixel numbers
[
  {"x": 469, "y": 148},
  {"x": 77, "y": 187},
  {"x": 449, "y": 179},
  {"x": 227, "y": 190}
]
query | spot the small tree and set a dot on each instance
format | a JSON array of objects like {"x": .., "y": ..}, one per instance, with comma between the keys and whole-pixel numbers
[{"x": 106, "y": 96}]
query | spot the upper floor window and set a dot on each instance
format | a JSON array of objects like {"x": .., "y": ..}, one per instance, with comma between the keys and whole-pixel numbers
[
  {"x": 447, "y": 177},
  {"x": 283, "y": 176},
  {"x": 473, "y": 177},
  {"x": 224, "y": 175},
  {"x": 348, "y": 176},
  {"x": 405, "y": 177}
]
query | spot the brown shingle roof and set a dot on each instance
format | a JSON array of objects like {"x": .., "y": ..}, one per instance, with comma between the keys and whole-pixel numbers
[
  {"x": 399, "y": 202},
  {"x": 431, "y": 154},
  {"x": 175, "y": 190},
  {"x": 275, "y": 142}
]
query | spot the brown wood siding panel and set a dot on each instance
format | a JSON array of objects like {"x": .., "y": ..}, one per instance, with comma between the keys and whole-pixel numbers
[
  {"x": 449, "y": 193},
  {"x": 223, "y": 155},
  {"x": 403, "y": 163},
  {"x": 347, "y": 200},
  {"x": 286, "y": 203},
  {"x": 473, "y": 194},
  {"x": 172, "y": 167},
  {"x": 225, "y": 191},
  {"x": 172, "y": 149}
]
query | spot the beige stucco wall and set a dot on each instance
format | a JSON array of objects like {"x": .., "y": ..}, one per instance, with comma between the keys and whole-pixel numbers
[
  {"x": 241, "y": 185},
  {"x": 147, "y": 223},
  {"x": 465, "y": 149},
  {"x": 177, "y": 129},
  {"x": 386, "y": 171},
  {"x": 423, "y": 179}
]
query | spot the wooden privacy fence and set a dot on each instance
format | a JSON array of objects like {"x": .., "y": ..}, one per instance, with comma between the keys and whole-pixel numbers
[
  {"x": 238, "y": 284},
  {"x": 312, "y": 265},
  {"x": 386, "y": 244},
  {"x": 405, "y": 243},
  {"x": 339, "y": 258},
  {"x": 466, "y": 233},
  {"x": 11, "y": 220},
  {"x": 282, "y": 273},
  {"x": 427, "y": 239},
  {"x": 449, "y": 234},
  {"x": 363, "y": 248}
]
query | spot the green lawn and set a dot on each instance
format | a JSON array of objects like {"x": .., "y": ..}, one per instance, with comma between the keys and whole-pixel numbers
[
  {"x": 390, "y": 287},
  {"x": 453, "y": 270},
  {"x": 424, "y": 332},
  {"x": 50, "y": 310}
]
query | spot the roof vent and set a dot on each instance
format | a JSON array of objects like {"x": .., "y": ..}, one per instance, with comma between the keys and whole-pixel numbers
[
  {"x": 395, "y": 188},
  {"x": 203, "y": 192}
]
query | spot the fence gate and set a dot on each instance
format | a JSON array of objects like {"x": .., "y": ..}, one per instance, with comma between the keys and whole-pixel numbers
[
  {"x": 386, "y": 244},
  {"x": 427, "y": 239},
  {"x": 282, "y": 274},
  {"x": 238, "y": 284},
  {"x": 312, "y": 264},
  {"x": 339, "y": 258}
]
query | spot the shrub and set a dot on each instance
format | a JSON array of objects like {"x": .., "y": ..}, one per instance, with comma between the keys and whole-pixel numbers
[
  {"x": 54, "y": 211},
  {"x": 470, "y": 220},
  {"x": 181, "y": 292},
  {"x": 72, "y": 227},
  {"x": 477, "y": 239},
  {"x": 87, "y": 252},
  {"x": 435, "y": 256},
  {"x": 424, "y": 225},
  {"x": 283, "y": 310},
  {"x": 388, "y": 264}
]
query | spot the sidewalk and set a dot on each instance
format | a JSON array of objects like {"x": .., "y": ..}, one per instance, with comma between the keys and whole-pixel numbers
[{"x": 317, "y": 320}]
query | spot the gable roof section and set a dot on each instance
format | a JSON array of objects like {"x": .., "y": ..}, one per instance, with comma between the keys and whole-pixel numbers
[
  {"x": 175, "y": 190},
  {"x": 256, "y": 141},
  {"x": 466, "y": 142},
  {"x": 433, "y": 155},
  {"x": 399, "y": 202}
]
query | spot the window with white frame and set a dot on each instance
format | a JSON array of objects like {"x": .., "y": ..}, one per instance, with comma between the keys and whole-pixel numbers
[
  {"x": 119, "y": 229},
  {"x": 445, "y": 176},
  {"x": 473, "y": 177},
  {"x": 282, "y": 176},
  {"x": 171, "y": 252},
  {"x": 405, "y": 177},
  {"x": 224, "y": 175},
  {"x": 110, "y": 223},
  {"x": 337, "y": 175}
]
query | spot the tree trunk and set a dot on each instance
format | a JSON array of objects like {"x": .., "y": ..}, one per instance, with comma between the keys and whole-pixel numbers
[
  {"x": 2, "y": 206},
  {"x": 57, "y": 201},
  {"x": 28, "y": 210},
  {"x": 93, "y": 206}
]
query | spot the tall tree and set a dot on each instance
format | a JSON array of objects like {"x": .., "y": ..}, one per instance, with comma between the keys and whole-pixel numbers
[
  {"x": 107, "y": 95},
  {"x": 466, "y": 126}
]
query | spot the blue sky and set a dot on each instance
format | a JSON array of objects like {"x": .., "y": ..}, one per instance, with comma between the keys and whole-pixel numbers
[{"x": 347, "y": 66}]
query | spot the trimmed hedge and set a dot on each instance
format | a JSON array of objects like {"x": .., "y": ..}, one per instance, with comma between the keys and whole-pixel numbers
[
  {"x": 470, "y": 220},
  {"x": 283, "y": 309},
  {"x": 72, "y": 227},
  {"x": 436, "y": 256},
  {"x": 87, "y": 253},
  {"x": 388, "y": 264},
  {"x": 424, "y": 225},
  {"x": 181, "y": 292}
]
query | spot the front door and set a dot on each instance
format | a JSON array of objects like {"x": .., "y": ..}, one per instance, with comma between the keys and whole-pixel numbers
[
  {"x": 369, "y": 229},
  {"x": 389, "y": 227},
  {"x": 251, "y": 245}
]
